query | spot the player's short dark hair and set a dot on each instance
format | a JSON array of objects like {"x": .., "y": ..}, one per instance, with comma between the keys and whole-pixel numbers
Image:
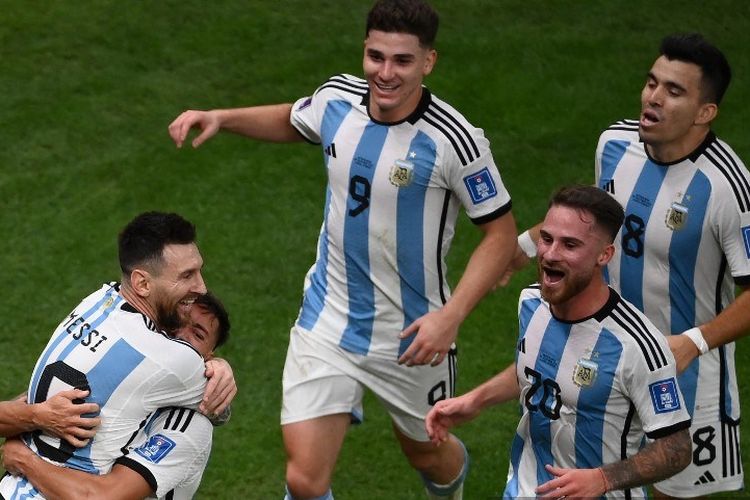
[
  {"x": 142, "y": 241},
  {"x": 693, "y": 48},
  {"x": 608, "y": 213},
  {"x": 213, "y": 305},
  {"x": 414, "y": 17}
]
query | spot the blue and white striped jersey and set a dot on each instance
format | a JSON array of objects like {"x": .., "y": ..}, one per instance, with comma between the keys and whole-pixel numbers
[
  {"x": 394, "y": 192},
  {"x": 171, "y": 452},
  {"x": 684, "y": 245},
  {"x": 590, "y": 390},
  {"x": 131, "y": 369}
]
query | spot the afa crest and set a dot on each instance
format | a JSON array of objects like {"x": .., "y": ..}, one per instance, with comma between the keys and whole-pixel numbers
[
  {"x": 584, "y": 372},
  {"x": 677, "y": 216},
  {"x": 402, "y": 173}
]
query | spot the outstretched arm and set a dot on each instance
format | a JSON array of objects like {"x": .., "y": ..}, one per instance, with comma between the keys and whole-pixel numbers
[
  {"x": 455, "y": 411},
  {"x": 265, "y": 123},
  {"x": 659, "y": 460},
  {"x": 61, "y": 483},
  {"x": 731, "y": 324},
  {"x": 60, "y": 416},
  {"x": 437, "y": 330}
]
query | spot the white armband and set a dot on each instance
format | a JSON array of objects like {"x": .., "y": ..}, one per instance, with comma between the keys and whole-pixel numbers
[
  {"x": 696, "y": 336},
  {"x": 527, "y": 244}
]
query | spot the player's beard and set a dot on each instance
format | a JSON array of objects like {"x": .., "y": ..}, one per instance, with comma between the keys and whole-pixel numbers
[
  {"x": 573, "y": 284},
  {"x": 168, "y": 317}
]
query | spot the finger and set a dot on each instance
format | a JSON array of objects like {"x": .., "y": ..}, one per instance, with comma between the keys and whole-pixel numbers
[
  {"x": 81, "y": 433},
  {"x": 437, "y": 359},
  {"x": 78, "y": 443},
  {"x": 209, "y": 370},
  {"x": 409, "y": 330},
  {"x": 85, "y": 408}
]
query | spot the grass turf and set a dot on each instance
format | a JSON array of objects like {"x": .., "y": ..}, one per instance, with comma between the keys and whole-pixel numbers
[{"x": 89, "y": 89}]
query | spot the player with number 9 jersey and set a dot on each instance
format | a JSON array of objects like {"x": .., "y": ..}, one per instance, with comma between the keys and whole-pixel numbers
[{"x": 394, "y": 192}]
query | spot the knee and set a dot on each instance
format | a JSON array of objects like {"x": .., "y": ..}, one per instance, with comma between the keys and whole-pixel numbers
[{"x": 304, "y": 484}]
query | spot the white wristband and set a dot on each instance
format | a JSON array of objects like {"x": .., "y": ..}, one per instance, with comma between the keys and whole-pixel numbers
[
  {"x": 527, "y": 244},
  {"x": 696, "y": 336}
]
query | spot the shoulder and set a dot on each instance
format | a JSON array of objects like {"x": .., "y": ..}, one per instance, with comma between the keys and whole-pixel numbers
[
  {"x": 727, "y": 172},
  {"x": 443, "y": 123},
  {"x": 639, "y": 337},
  {"x": 343, "y": 86},
  {"x": 625, "y": 129}
]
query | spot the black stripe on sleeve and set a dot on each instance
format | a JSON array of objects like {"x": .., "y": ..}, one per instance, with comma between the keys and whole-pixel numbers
[
  {"x": 666, "y": 431},
  {"x": 140, "y": 469}
]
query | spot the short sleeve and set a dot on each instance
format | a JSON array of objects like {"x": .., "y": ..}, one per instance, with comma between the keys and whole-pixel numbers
[{"x": 173, "y": 452}]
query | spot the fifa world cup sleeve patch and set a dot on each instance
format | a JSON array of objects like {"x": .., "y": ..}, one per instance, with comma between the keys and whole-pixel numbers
[
  {"x": 481, "y": 186},
  {"x": 156, "y": 448},
  {"x": 746, "y": 239},
  {"x": 664, "y": 396},
  {"x": 304, "y": 104}
]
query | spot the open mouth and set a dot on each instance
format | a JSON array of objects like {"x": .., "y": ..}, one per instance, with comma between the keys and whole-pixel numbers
[
  {"x": 552, "y": 276},
  {"x": 649, "y": 117}
]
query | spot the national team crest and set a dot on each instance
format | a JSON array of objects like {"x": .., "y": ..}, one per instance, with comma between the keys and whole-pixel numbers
[
  {"x": 664, "y": 395},
  {"x": 677, "y": 216},
  {"x": 584, "y": 372},
  {"x": 402, "y": 173},
  {"x": 156, "y": 448}
]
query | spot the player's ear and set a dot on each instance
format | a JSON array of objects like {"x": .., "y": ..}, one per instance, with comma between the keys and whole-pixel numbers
[
  {"x": 706, "y": 113},
  {"x": 606, "y": 255},
  {"x": 429, "y": 62},
  {"x": 140, "y": 282}
]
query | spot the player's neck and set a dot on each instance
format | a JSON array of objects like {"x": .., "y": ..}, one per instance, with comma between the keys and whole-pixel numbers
[
  {"x": 584, "y": 304},
  {"x": 683, "y": 147},
  {"x": 138, "y": 302}
]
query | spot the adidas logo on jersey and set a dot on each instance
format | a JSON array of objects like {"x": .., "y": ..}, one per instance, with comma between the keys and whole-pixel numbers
[
  {"x": 609, "y": 186},
  {"x": 706, "y": 477},
  {"x": 330, "y": 150}
]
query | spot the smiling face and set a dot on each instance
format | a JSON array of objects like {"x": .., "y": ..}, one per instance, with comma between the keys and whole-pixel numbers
[
  {"x": 200, "y": 330},
  {"x": 674, "y": 119},
  {"x": 176, "y": 284},
  {"x": 395, "y": 65},
  {"x": 571, "y": 253}
]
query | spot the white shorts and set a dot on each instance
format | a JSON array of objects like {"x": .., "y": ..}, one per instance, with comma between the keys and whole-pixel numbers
[
  {"x": 716, "y": 463},
  {"x": 323, "y": 379}
]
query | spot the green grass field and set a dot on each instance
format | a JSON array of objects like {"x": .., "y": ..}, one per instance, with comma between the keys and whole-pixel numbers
[{"x": 88, "y": 89}]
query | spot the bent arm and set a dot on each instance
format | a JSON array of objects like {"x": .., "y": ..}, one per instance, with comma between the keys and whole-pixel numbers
[
  {"x": 731, "y": 324},
  {"x": 486, "y": 264},
  {"x": 61, "y": 483},
  {"x": 658, "y": 460}
]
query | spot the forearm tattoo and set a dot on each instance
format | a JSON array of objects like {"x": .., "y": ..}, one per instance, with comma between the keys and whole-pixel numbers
[{"x": 659, "y": 460}]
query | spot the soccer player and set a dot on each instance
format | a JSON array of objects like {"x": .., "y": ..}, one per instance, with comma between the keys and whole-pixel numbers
[
  {"x": 169, "y": 455},
  {"x": 377, "y": 312},
  {"x": 685, "y": 244},
  {"x": 113, "y": 344},
  {"x": 592, "y": 373}
]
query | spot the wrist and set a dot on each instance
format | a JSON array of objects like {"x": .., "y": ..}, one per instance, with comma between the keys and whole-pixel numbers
[
  {"x": 527, "y": 244},
  {"x": 604, "y": 479},
  {"x": 696, "y": 336}
]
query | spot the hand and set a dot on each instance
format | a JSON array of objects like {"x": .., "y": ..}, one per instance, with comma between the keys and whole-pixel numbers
[
  {"x": 435, "y": 333},
  {"x": 446, "y": 414},
  {"x": 220, "y": 389},
  {"x": 63, "y": 418},
  {"x": 207, "y": 121},
  {"x": 518, "y": 262},
  {"x": 13, "y": 454},
  {"x": 684, "y": 351},
  {"x": 573, "y": 483}
]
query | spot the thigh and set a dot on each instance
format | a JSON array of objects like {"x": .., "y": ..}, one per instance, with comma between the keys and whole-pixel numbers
[
  {"x": 314, "y": 383},
  {"x": 312, "y": 446}
]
